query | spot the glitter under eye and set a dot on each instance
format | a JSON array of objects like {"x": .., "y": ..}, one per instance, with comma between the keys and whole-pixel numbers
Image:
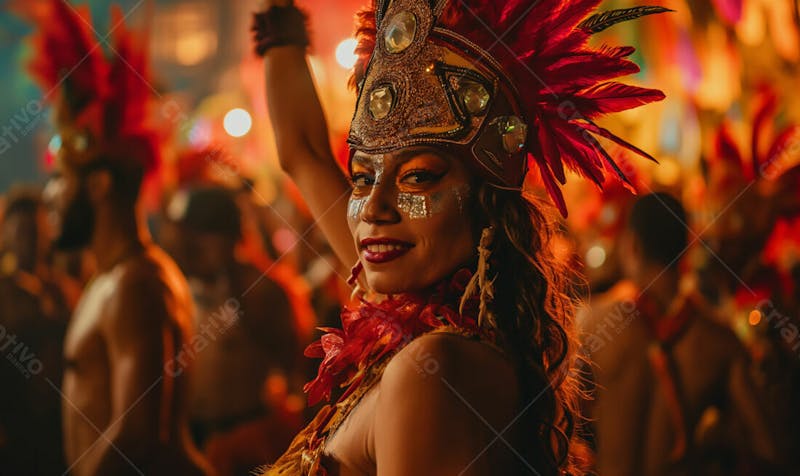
[
  {"x": 377, "y": 166},
  {"x": 355, "y": 207},
  {"x": 415, "y": 206}
]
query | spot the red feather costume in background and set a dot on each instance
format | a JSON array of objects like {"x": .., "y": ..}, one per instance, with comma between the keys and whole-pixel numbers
[
  {"x": 509, "y": 85},
  {"x": 767, "y": 178},
  {"x": 101, "y": 105}
]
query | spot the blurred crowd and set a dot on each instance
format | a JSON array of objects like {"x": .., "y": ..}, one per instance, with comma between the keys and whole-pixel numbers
[
  {"x": 689, "y": 315},
  {"x": 689, "y": 325},
  {"x": 261, "y": 279}
]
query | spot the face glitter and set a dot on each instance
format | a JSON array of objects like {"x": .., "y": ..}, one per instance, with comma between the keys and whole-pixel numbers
[
  {"x": 378, "y": 167},
  {"x": 415, "y": 206},
  {"x": 355, "y": 207},
  {"x": 418, "y": 206},
  {"x": 374, "y": 162}
]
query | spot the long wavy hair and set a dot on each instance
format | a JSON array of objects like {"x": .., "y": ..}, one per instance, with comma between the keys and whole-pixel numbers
[
  {"x": 532, "y": 307},
  {"x": 533, "y": 310}
]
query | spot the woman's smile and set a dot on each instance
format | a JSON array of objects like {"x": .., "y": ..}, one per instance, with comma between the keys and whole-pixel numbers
[
  {"x": 383, "y": 250},
  {"x": 407, "y": 215}
]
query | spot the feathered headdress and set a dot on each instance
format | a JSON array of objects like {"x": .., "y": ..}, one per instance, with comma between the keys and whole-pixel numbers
[
  {"x": 101, "y": 105},
  {"x": 732, "y": 166},
  {"x": 765, "y": 177},
  {"x": 507, "y": 83}
]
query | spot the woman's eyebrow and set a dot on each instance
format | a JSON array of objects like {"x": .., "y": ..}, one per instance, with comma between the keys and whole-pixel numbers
[
  {"x": 365, "y": 160},
  {"x": 406, "y": 155},
  {"x": 397, "y": 159}
]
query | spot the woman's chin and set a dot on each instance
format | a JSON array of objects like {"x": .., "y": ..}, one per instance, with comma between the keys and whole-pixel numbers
[
  {"x": 398, "y": 281},
  {"x": 387, "y": 285}
]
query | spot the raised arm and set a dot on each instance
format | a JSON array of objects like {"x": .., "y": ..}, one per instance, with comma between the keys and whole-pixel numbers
[{"x": 304, "y": 149}]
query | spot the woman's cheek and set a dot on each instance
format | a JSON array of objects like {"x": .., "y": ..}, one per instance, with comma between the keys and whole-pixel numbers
[
  {"x": 355, "y": 208},
  {"x": 415, "y": 206},
  {"x": 419, "y": 206}
]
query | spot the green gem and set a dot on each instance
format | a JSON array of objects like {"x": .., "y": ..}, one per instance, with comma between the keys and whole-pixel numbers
[
  {"x": 474, "y": 96},
  {"x": 513, "y": 132}
]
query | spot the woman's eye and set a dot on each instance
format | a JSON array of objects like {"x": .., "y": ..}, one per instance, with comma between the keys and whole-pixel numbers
[
  {"x": 418, "y": 177},
  {"x": 362, "y": 180}
]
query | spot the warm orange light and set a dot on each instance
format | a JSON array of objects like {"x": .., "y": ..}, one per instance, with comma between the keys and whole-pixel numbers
[
  {"x": 195, "y": 47},
  {"x": 668, "y": 172},
  {"x": 755, "y": 317}
]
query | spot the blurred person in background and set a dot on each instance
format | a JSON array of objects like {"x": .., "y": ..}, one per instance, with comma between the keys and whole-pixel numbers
[
  {"x": 24, "y": 239},
  {"x": 752, "y": 252},
  {"x": 674, "y": 395},
  {"x": 269, "y": 236},
  {"x": 33, "y": 320},
  {"x": 123, "y": 411},
  {"x": 240, "y": 379}
]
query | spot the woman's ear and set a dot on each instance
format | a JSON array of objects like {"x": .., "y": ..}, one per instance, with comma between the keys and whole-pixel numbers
[{"x": 98, "y": 185}]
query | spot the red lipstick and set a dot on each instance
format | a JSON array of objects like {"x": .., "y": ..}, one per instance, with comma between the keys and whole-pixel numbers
[{"x": 383, "y": 250}]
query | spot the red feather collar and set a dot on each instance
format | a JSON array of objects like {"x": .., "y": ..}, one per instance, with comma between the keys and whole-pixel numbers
[{"x": 371, "y": 331}]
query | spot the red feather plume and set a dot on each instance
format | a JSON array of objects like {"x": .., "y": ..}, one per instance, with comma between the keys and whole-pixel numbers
[
  {"x": 67, "y": 60},
  {"x": 733, "y": 165},
  {"x": 564, "y": 83},
  {"x": 108, "y": 97}
]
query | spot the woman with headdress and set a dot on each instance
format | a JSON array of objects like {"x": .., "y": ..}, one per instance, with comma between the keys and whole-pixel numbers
[{"x": 457, "y": 358}]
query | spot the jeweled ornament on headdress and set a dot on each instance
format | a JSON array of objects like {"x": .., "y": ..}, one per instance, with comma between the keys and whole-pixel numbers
[{"x": 504, "y": 83}]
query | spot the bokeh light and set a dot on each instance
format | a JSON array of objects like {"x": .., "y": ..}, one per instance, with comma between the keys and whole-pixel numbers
[
  {"x": 55, "y": 145},
  {"x": 237, "y": 122},
  {"x": 345, "y": 53},
  {"x": 595, "y": 257}
]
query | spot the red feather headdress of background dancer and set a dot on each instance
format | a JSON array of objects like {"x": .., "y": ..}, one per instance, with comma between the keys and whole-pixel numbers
[
  {"x": 101, "y": 105},
  {"x": 730, "y": 166},
  {"x": 508, "y": 83}
]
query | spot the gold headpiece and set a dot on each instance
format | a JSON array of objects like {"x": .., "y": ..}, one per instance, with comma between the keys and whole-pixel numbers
[
  {"x": 429, "y": 85},
  {"x": 450, "y": 74}
]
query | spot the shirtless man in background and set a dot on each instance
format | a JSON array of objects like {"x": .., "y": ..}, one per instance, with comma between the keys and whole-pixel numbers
[
  {"x": 249, "y": 340},
  {"x": 672, "y": 384},
  {"x": 123, "y": 412}
]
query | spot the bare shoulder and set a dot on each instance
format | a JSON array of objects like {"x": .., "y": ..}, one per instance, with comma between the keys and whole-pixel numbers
[
  {"x": 150, "y": 289},
  {"x": 440, "y": 403},
  {"x": 595, "y": 307},
  {"x": 615, "y": 338},
  {"x": 449, "y": 368},
  {"x": 152, "y": 265}
]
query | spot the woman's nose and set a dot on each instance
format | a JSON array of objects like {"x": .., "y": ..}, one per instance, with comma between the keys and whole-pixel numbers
[{"x": 381, "y": 206}]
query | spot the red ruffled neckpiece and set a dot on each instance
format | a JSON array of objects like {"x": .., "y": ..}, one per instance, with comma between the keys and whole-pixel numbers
[{"x": 372, "y": 331}]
